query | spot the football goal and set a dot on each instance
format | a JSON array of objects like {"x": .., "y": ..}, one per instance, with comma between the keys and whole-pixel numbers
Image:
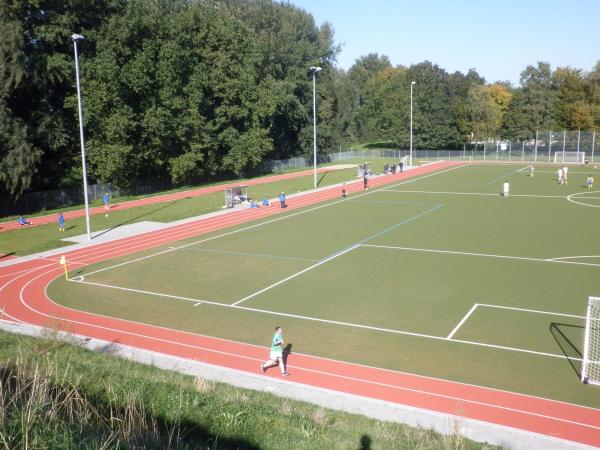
[
  {"x": 590, "y": 368},
  {"x": 569, "y": 157}
]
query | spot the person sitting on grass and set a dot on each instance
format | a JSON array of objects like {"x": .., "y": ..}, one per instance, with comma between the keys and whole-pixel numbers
[
  {"x": 265, "y": 202},
  {"x": 22, "y": 221}
]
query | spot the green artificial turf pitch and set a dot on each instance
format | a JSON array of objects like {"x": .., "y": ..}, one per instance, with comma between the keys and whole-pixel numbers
[{"x": 439, "y": 275}]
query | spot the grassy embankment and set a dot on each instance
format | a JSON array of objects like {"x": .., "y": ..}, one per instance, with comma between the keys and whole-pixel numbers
[{"x": 57, "y": 395}]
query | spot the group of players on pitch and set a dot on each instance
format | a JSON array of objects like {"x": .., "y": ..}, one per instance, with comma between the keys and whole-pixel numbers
[{"x": 562, "y": 176}]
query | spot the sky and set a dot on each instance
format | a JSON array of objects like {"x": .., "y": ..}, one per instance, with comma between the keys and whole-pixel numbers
[{"x": 497, "y": 38}]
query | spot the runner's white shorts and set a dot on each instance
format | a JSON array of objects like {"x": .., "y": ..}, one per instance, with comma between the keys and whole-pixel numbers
[{"x": 275, "y": 355}]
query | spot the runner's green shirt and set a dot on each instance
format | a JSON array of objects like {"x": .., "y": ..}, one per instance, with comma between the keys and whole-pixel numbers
[{"x": 277, "y": 341}]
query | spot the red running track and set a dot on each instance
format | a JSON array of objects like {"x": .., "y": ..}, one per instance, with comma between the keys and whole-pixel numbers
[
  {"x": 23, "y": 298},
  {"x": 53, "y": 218}
]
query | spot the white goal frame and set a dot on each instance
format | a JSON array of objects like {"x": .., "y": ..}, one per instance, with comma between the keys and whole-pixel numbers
[
  {"x": 569, "y": 157},
  {"x": 591, "y": 344}
]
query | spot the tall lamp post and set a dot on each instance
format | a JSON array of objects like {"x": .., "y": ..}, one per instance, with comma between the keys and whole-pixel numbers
[
  {"x": 412, "y": 83},
  {"x": 76, "y": 38},
  {"x": 314, "y": 71}
]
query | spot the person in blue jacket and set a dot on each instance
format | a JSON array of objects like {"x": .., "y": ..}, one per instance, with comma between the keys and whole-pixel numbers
[
  {"x": 61, "y": 222},
  {"x": 282, "y": 200}
]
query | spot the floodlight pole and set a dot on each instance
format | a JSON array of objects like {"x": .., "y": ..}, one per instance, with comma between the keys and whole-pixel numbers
[
  {"x": 314, "y": 71},
  {"x": 79, "y": 37},
  {"x": 412, "y": 83}
]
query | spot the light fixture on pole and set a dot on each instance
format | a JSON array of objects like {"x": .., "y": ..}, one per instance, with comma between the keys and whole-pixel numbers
[
  {"x": 314, "y": 71},
  {"x": 412, "y": 83},
  {"x": 76, "y": 38}
]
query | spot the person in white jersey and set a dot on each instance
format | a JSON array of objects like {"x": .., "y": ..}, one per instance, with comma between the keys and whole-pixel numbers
[{"x": 505, "y": 189}]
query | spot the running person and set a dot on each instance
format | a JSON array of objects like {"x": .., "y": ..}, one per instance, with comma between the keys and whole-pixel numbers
[
  {"x": 344, "y": 193},
  {"x": 559, "y": 176},
  {"x": 565, "y": 171},
  {"x": 590, "y": 181},
  {"x": 505, "y": 189},
  {"x": 531, "y": 170},
  {"x": 276, "y": 356},
  {"x": 282, "y": 200}
]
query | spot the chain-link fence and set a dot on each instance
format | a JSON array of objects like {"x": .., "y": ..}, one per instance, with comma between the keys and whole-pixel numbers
[{"x": 547, "y": 146}]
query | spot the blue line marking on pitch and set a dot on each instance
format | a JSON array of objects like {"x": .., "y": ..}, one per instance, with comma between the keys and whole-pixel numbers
[
  {"x": 259, "y": 255},
  {"x": 393, "y": 227},
  {"x": 505, "y": 176}
]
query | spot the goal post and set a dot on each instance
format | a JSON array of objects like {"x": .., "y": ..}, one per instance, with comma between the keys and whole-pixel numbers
[
  {"x": 590, "y": 367},
  {"x": 569, "y": 157}
]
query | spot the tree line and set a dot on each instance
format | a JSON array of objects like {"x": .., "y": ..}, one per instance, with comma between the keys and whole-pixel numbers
[{"x": 190, "y": 89}]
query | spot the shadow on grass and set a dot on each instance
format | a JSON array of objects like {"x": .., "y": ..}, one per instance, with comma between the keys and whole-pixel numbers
[
  {"x": 7, "y": 255},
  {"x": 133, "y": 219},
  {"x": 568, "y": 348},
  {"x": 365, "y": 442},
  {"x": 98, "y": 418},
  {"x": 323, "y": 175}
]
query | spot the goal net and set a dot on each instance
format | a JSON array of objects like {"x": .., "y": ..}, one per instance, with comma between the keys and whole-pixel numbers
[
  {"x": 590, "y": 368},
  {"x": 569, "y": 157}
]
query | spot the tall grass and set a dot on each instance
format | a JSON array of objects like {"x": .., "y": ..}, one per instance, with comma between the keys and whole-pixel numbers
[{"x": 54, "y": 395}]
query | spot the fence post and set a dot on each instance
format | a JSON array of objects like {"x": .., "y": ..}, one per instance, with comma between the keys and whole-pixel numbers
[
  {"x": 564, "y": 143},
  {"x": 550, "y": 146},
  {"x": 593, "y": 143},
  {"x": 578, "y": 140},
  {"x": 509, "y": 149},
  {"x": 535, "y": 148}
]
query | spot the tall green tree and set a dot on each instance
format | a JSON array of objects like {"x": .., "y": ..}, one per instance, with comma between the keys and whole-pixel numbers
[
  {"x": 17, "y": 156},
  {"x": 573, "y": 112}
]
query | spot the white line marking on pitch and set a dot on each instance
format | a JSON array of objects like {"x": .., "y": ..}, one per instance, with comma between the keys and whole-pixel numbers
[
  {"x": 339, "y": 253},
  {"x": 549, "y": 313},
  {"x": 332, "y": 322},
  {"x": 481, "y": 194},
  {"x": 573, "y": 257},
  {"x": 521, "y": 258},
  {"x": 464, "y": 319},
  {"x": 323, "y": 261},
  {"x": 287, "y": 216}
]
